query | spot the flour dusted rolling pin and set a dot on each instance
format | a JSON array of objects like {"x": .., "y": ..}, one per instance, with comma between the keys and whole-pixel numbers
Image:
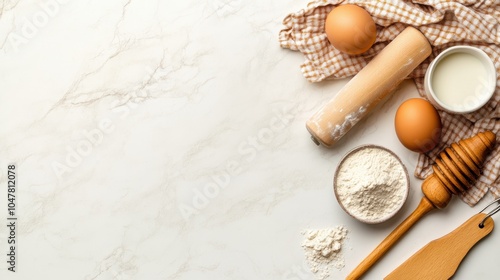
[{"x": 372, "y": 84}]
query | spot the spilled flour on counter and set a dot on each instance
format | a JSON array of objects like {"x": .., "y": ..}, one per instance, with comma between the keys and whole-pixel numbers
[{"x": 323, "y": 249}]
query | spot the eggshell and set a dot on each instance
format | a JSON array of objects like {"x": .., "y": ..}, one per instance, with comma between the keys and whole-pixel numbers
[
  {"x": 350, "y": 29},
  {"x": 418, "y": 125}
]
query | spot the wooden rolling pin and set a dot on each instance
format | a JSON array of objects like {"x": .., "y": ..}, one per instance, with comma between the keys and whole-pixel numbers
[
  {"x": 372, "y": 84},
  {"x": 455, "y": 171}
]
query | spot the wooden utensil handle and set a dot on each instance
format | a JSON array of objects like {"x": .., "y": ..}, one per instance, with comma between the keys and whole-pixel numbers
[
  {"x": 440, "y": 258},
  {"x": 423, "y": 208}
]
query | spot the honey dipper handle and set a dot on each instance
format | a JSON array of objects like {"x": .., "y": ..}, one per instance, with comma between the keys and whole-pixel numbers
[{"x": 423, "y": 208}]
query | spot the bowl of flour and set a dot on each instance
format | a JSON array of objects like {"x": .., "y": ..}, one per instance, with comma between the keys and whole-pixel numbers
[{"x": 371, "y": 184}]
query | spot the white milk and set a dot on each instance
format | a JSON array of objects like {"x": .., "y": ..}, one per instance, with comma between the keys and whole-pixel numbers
[{"x": 460, "y": 80}]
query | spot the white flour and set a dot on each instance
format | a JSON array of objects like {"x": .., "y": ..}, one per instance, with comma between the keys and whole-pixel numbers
[
  {"x": 371, "y": 184},
  {"x": 349, "y": 121},
  {"x": 323, "y": 249}
]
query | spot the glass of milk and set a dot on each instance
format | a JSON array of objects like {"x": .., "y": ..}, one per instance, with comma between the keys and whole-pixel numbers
[{"x": 461, "y": 79}]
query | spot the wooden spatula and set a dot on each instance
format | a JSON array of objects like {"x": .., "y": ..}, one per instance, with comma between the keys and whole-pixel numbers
[{"x": 440, "y": 258}]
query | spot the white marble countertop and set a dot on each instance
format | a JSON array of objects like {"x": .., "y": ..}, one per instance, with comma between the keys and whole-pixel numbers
[{"x": 119, "y": 115}]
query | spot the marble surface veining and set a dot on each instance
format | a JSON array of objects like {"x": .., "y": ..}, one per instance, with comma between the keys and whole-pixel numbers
[{"x": 167, "y": 140}]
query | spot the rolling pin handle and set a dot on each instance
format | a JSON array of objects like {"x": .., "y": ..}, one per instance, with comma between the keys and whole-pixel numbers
[{"x": 315, "y": 140}]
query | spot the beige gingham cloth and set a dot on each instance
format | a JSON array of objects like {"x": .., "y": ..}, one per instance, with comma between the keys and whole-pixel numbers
[{"x": 445, "y": 24}]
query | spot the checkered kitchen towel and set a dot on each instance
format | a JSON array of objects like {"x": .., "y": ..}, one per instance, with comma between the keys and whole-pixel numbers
[{"x": 445, "y": 24}]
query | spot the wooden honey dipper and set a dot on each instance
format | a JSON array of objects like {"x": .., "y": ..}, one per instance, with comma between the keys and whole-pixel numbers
[{"x": 456, "y": 169}]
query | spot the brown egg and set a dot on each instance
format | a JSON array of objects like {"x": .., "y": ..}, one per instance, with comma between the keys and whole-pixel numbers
[
  {"x": 350, "y": 29},
  {"x": 418, "y": 125}
]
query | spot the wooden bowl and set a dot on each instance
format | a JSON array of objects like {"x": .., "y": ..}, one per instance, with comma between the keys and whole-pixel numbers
[{"x": 378, "y": 219}]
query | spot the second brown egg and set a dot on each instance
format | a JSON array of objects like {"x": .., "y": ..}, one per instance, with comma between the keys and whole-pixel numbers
[{"x": 418, "y": 125}]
